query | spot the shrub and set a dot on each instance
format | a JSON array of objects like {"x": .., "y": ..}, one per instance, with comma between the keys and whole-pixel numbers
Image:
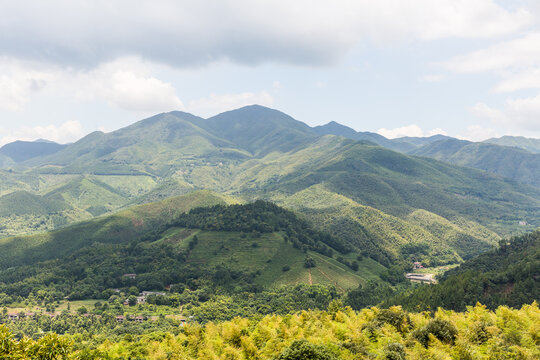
[
  {"x": 394, "y": 351},
  {"x": 441, "y": 329},
  {"x": 285, "y": 268},
  {"x": 309, "y": 262},
  {"x": 304, "y": 350}
]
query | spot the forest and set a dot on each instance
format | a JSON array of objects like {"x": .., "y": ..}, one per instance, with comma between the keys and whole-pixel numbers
[{"x": 337, "y": 332}]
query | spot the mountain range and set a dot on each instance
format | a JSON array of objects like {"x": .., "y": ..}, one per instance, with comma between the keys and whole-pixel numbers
[
  {"x": 373, "y": 196},
  {"x": 254, "y": 199}
]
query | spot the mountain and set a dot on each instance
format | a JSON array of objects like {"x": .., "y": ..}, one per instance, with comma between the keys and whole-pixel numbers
[
  {"x": 260, "y": 130},
  {"x": 394, "y": 183},
  {"x": 20, "y": 151},
  {"x": 122, "y": 227},
  {"x": 531, "y": 145},
  {"x": 334, "y": 128},
  {"x": 191, "y": 239},
  {"x": 421, "y": 141},
  {"x": 154, "y": 147},
  {"x": 25, "y": 203},
  {"x": 509, "y": 162},
  {"x": 382, "y": 201},
  {"x": 509, "y": 275},
  {"x": 6, "y": 162}
]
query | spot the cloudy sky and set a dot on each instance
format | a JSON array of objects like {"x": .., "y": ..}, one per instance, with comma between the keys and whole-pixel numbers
[{"x": 466, "y": 68}]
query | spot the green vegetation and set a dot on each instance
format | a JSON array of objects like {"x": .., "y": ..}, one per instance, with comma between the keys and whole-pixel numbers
[
  {"x": 136, "y": 223},
  {"x": 20, "y": 151},
  {"x": 509, "y": 275},
  {"x": 510, "y": 162},
  {"x": 531, "y": 145},
  {"x": 254, "y": 153},
  {"x": 220, "y": 248},
  {"x": 337, "y": 333}
]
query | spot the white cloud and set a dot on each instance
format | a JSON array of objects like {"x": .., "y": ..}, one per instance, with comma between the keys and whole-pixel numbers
[
  {"x": 215, "y": 104},
  {"x": 67, "y": 132},
  {"x": 126, "y": 83},
  {"x": 186, "y": 33},
  {"x": 528, "y": 78},
  {"x": 477, "y": 133},
  {"x": 513, "y": 54},
  {"x": 437, "y": 131},
  {"x": 517, "y": 114},
  {"x": 517, "y": 63},
  {"x": 18, "y": 82},
  {"x": 412, "y": 130}
]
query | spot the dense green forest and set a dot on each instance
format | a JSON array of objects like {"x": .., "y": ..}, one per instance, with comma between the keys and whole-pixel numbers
[{"x": 509, "y": 275}]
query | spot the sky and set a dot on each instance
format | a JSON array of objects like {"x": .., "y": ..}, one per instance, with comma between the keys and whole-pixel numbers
[{"x": 464, "y": 68}]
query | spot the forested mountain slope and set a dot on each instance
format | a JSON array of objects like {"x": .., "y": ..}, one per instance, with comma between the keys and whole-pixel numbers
[
  {"x": 256, "y": 152},
  {"x": 182, "y": 241},
  {"x": 509, "y": 275},
  {"x": 531, "y": 145},
  {"x": 509, "y": 162}
]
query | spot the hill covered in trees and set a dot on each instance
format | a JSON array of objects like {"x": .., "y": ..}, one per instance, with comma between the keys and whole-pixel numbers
[
  {"x": 177, "y": 242},
  {"x": 509, "y": 275}
]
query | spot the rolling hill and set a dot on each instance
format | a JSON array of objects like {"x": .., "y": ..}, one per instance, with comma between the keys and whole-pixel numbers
[
  {"x": 510, "y": 162},
  {"x": 195, "y": 239},
  {"x": 20, "y": 151},
  {"x": 531, "y": 145},
  {"x": 334, "y": 128}
]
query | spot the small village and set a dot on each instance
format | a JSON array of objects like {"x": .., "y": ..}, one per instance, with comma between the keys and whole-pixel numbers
[{"x": 130, "y": 301}]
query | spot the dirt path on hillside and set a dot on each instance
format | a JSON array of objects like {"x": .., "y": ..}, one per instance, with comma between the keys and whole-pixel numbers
[
  {"x": 330, "y": 279},
  {"x": 310, "y": 280}
]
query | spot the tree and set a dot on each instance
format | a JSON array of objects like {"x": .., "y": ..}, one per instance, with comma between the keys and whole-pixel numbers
[
  {"x": 82, "y": 310},
  {"x": 132, "y": 300},
  {"x": 304, "y": 350}
]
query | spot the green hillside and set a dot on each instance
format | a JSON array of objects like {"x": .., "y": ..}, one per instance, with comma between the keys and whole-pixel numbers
[
  {"x": 334, "y": 128},
  {"x": 531, "y": 145},
  {"x": 132, "y": 224},
  {"x": 258, "y": 245},
  {"x": 394, "y": 201},
  {"x": 393, "y": 183},
  {"x": 510, "y": 162},
  {"x": 20, "y": 151},
  {"x": 421, "y": 236},
  {"x": 25, "y": 203},
  {"x": 509, "y": 276},
  {"x": 260, "y": 130}
]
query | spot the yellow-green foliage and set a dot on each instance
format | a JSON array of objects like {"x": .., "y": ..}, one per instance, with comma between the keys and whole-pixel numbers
[
  {"x": 440, "y": 237},
  {"x": 476, "y": 334}
]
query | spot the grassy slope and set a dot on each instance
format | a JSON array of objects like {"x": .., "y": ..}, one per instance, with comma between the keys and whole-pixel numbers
[
  {"x": 398, "y": 184},
  {"x": 121, "y": 227},
  {"x": 269, "y": 256}
]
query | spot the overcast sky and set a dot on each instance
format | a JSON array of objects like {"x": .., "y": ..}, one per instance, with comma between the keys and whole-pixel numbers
[{"x": 465, "y": 68}]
